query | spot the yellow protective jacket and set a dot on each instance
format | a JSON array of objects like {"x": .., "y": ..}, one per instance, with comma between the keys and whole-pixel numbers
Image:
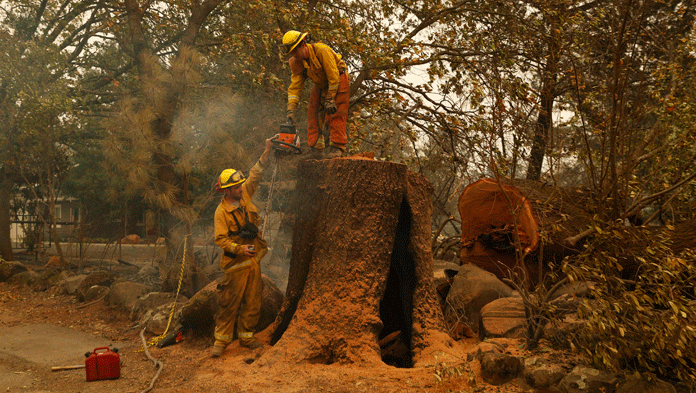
[
  {"x": 323, "y": 67},
  {"x": 233, "y": 256}
]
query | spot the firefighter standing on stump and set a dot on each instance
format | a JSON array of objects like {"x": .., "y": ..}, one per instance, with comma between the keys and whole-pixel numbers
[
  {"x": 329, "y": 98},
  {"x": 236, "y": 232}
]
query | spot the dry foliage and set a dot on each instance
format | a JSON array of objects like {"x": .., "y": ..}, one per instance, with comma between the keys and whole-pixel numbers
[{"x": 646, "y": 324}]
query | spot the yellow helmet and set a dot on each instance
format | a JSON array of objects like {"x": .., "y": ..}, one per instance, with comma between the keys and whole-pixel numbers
[
  {"x": 229, "y": 178},
  {"x": 291, "y": 39}
]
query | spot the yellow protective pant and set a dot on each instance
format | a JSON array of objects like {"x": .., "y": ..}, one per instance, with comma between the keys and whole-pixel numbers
[{"x": 239, "y": 294}]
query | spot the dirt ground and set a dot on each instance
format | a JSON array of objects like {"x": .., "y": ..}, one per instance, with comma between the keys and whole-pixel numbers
[{"x": 67, "y": 326}]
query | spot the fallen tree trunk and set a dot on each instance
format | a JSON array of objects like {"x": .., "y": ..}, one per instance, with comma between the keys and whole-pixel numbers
[
  {"x": 517, "y": 229},
  {"x": 361, "y": 268},
  {"x": 521, "y": 230}
]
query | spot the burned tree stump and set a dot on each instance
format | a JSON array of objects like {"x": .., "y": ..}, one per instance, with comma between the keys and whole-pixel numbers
[
  {"x": 496, "y": 215},
  {"x": 361, "y": 268}
]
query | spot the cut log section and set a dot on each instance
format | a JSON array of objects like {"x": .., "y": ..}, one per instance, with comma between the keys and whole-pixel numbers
[
  {"x": 494, "y": 213},
  {"x": 361, "y": 268}
]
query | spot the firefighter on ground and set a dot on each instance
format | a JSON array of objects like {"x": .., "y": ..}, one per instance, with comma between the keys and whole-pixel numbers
[
  {"x": 329, "y": 98},
  {"x": 237, "y": 233}
]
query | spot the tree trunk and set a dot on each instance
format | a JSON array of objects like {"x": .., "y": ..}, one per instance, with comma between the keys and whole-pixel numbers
[
  {"x": 5, "y": 232},
  {"x": 542, "y": 128},
  {"x": 514, "y": 229},
  {"x": 165, "y": 106},
  {"x": 53, "y": 224},
  {"x": 361, "y": 268}
]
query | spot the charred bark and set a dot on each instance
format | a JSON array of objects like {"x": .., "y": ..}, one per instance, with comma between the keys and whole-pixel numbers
[{"x": 361, "y": 268}]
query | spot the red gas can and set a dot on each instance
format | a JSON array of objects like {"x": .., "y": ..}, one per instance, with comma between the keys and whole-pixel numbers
[{"x": 103, "y": 363}]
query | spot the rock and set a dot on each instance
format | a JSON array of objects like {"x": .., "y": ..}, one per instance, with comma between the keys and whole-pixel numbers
[
  {"x": 47, "y": 279},
  {"x": 27, "y": 278},
  {"x": 588, "y": 380},
  {"x": 565, "y": 304},
  {"x": 95, "y": 292},
  {"x": 643, "y": 386},
  {"x": 444, "y": 269},
  {"x": 503, "y": 318},
  {"x": 123, "y": 295},
  {"x": 472, "y": 289},
  {"x": 563, "y": 331},
  {"x": 498, "y": 368},
  {"x": 486, "y": 346},
  {"x": 148, "y": 271},
  {"x": 69, "y": 285},
  {"x": 153, "y": 300},
  {"x": 578, "y": 289},
  {"x": 9, "y": 269},
  {"x": 98, "y": 278},
  {"x": 155, "y": 320},
  {"x": 540, "y": 375}
]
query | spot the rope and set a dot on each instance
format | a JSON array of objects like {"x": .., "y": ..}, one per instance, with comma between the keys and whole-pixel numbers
[{"x": 159, "y": 338}]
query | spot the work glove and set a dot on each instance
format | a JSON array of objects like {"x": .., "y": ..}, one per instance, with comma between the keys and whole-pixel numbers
[
  {"x": 291, "y": 117},
  {"x": 330, "y": 106}
]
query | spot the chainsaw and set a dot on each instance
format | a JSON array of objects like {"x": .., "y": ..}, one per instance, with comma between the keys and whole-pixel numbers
[{"x": 287, "y": 141}]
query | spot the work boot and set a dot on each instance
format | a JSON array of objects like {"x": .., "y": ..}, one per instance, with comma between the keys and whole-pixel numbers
[
  {"x": 216, "y": 351},
  {"x": 335, "y": 152},
  {"x": 253, "y": 344},
  {"x": 312, "y": 154}
]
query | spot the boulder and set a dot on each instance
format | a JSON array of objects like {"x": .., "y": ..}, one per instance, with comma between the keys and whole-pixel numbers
[
  {"x": 123, "y": 295},
  {"x": 444, "y": 269},
  {"x": 153, "y": 300},
  {"x": 588, "y": 380},
  {"x": 499, "y": 368},
  {"x": 503, "y": 318},
  {"x": 48, "y": 278},
  {"x": 27, "y": 278},
  {"x": 541, "y": 375},
  {"x": 563, "y": 331},
  {"x": 575, "y": 289},
  {"x": 644, "y": 386},
  {"x": 148, "y": 272},
  {"x": 69, "y": 285},
  {"x": 9, "y": 269},
  {"x": 487, "y": 346},
  {"x": 95, "y": 292},
  {"x": 155, "y": 320},
  {"x": 98, "y": 278},
  {"x": 472, "y": 289}
]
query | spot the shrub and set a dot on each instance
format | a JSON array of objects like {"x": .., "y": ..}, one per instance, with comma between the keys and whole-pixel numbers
[{"x": 644, "y": 323}]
